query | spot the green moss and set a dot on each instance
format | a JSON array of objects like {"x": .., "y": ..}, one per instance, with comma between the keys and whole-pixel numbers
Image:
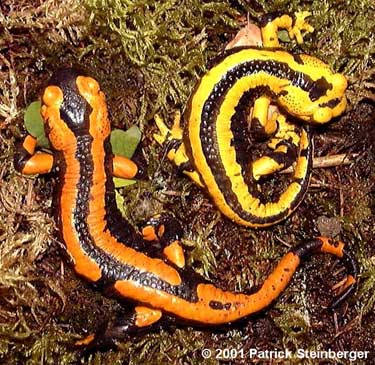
[
  {"x": 293, "y": 322},
  {"x": 367, "y": 291},
  {"x": 202, "y": 256},
  {"x": 165, "y": 40}
]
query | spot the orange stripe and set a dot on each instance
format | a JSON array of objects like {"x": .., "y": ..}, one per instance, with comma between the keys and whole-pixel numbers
[
  {"x": 99, "y": 130},
  {"x": 61, "y": 137},
  {"x": 327, "y": 247},
  {"x": 241, "y": 304}
]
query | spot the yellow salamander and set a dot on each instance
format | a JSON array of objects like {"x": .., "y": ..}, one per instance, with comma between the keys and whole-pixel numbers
[{"x": 211, "y": 148}]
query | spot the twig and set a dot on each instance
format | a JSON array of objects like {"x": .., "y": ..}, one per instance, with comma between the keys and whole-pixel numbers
[{"x": 328, "y": 161}]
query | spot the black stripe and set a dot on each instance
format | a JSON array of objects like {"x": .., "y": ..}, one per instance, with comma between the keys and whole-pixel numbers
[
  {"x": 208, "y": 133},
  {"x": 305, "y": 249},
  {"x": 242, "y": 141},
  {"x": 74, "y": 109},
  {"x": 331, "y": 104},
  {"x": 214, "y": 304},
  {"x": 298, "y": 58},
  {"x": 112, "y": 269},
  {"x": 319, "y": 89},
  {"x": 116, "y": 224}
]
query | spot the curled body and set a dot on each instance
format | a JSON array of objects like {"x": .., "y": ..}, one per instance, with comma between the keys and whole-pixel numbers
[{"x": 213, "y": 143}]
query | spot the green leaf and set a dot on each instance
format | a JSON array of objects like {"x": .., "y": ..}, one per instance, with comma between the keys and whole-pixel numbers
[
  {"x": 43, "y": 141},
  {"x": 125, "y": 143},
  {"x": 120, "y": 202},
  {"x": 34, "y": 123},
  {"x": 33, "y": 119},
  {"x": 120, "y": 182},
  {"x": 283, "y": 35}
]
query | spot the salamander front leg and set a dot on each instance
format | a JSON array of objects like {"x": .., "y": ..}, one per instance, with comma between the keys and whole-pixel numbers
[
  {"x": 135, "y": 321},
  {"x": 28, "y": 161},
  {"x": 176, "y": 151}
]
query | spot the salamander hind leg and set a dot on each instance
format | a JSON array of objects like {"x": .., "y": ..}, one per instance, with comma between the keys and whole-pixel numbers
[
  {"x": 285, "y": 147},
  {"x": 131, "y": 323},
  {"x": 262, "y": 124},
  {"x": 295, "y": 25}
]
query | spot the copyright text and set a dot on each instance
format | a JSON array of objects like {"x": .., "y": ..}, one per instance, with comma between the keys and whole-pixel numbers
[{"x": 254, "y": 353}]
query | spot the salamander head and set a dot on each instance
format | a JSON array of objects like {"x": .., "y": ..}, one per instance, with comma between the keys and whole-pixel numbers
[
  {"x": 69, "y": 102},
  {"x": 318, "y": 95}
]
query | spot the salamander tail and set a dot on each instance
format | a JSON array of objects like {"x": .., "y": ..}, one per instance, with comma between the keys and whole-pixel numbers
[{"x": 327, "y": 245}]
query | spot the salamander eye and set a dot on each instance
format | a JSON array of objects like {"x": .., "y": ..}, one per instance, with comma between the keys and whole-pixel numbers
[
  {"x": 53, "y": 95},
  {"x": 322, "y": 115},
  {"x": 340, "y": 82}
]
